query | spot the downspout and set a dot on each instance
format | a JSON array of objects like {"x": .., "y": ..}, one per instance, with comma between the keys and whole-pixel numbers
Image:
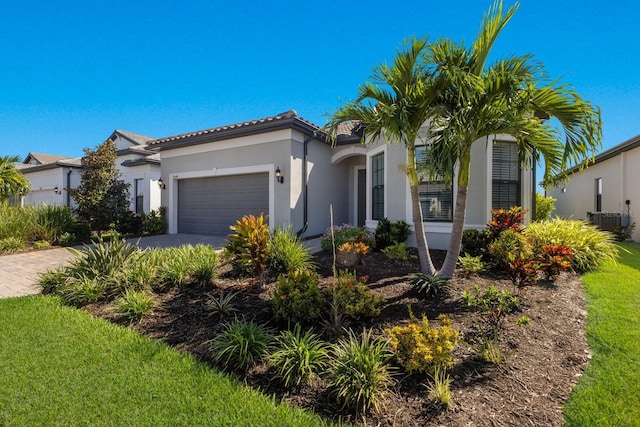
[
  {"x": 68, "y": 187},
  {"x": 534, "y": 190},
  {"x": 305, "y": 207}
]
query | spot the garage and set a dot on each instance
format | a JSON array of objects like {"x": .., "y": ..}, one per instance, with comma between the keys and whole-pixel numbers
[{"x": 210, "y": 205}]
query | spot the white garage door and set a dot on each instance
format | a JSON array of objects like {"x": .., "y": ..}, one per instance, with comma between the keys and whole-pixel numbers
[{"x": 211, "y": 205}]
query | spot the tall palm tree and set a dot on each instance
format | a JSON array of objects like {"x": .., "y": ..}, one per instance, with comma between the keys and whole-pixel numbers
[
  {"x": 12, "y": 182},
  {"x": 512, "y": 96},
  {"x": 394, "y": 105}
]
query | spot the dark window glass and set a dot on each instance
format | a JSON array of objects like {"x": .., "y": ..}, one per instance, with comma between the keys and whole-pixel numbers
[
  {"x": 506, "y": 176},
  {"x": 436, "y": 195},
  {"x": 377, "y": 182}
]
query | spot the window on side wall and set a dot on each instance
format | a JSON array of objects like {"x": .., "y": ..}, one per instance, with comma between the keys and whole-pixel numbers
[
  {"x": 598, "y": 192},
  {"x": 139, "y": 192},
  {"x": 505, "y": 176},
  {"x": 377, "y": 183},
  {"x": 436, "y": 193}
]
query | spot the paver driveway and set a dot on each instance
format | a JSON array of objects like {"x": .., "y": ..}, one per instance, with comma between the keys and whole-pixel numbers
[{"x": 19, "y": 272}]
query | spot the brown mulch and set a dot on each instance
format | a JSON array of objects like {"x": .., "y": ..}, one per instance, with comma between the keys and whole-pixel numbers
[{"x": 543, "y": 361}]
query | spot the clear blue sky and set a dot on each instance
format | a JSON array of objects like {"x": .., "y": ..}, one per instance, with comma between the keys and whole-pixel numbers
[{"x": 73, "y": 71}]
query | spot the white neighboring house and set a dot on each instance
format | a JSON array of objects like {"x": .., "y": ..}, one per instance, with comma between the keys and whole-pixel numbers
[
  {"x": 140, "y": 168},
  {"x": 609, "y": 188},
  {"x": 51, "y": 175},
  {"x": 283, "y": 166}
]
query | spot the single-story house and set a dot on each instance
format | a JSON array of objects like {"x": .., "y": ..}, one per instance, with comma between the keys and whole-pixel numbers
[
  {"x": 284, "y": 167},
  {"x": 52, "y": 175},
  {"x": 608, "y": 189}
]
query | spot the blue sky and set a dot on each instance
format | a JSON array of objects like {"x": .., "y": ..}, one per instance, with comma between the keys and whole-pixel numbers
[{"x": 73, "y": 71}]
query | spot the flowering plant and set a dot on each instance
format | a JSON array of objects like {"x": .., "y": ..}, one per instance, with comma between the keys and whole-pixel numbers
[{"x": 359, "y": 248}]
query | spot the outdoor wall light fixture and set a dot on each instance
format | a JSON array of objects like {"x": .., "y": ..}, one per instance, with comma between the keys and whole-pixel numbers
[
  {"x": 57, "y": 190},
  {"x": 161, "y": 184},
  {"x": 279, "y": 176}
]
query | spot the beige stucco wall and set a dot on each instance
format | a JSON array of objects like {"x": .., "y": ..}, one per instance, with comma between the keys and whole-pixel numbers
[
  {"x": 265, "y": 152},
  {"x": 620, "y": 182}
]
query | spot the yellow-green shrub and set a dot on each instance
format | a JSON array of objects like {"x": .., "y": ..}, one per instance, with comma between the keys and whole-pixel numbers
[{"x": 419, "y": 347}]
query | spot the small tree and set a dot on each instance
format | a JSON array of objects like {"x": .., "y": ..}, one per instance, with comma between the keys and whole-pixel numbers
[
  {"x": 102, "y": 199},
  {"x": 544, "y": 207}
]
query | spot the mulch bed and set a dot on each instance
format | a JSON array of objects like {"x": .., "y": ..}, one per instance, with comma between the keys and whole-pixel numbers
[{"x": 544, "y": 359}]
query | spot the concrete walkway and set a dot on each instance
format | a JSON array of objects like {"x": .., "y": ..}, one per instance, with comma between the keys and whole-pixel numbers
[{"x": 20, "y": 272}]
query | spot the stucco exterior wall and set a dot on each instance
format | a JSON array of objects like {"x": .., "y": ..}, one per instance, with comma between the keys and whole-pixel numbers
[
  {"x": 620, "y": 177},
  {"x": 43, "y": 183}
]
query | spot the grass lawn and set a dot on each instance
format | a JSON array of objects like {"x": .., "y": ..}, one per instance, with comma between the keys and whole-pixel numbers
[
  {"x": 608, "y": 394},
  {"x": 60, "y": 366}
]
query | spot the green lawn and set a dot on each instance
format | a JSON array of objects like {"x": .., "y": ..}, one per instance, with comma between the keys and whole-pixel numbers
[
  {"x": 608, "y": 394},
  {"x": 60, "y": 366}
]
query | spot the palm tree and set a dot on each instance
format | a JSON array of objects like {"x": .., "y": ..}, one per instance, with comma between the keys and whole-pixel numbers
[
  {"x": 512, "y": 96},
  {"x": 12, "y": 182},
  {"x": 395, "y": 104}
]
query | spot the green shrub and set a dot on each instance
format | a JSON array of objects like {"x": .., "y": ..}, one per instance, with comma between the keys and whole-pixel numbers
[
  {"x": 133, "y": 305},
  {"x": 82, "y": 290},
  {"x": 241, "y": 344},
  {"x": 345, "y": 233},
  {"x": 11, "y": 244},
  {"x": 354, "y": 298},
  {"x": 419, "y": 347},
  {"x": 140, "y": 272},
  {"x": 359, "y": 375},
  {"x": 505, "y": 219},
  {"x": 388, "y": 233},
  {"x": 433, "y": 287},
  {"x": 248, "y": 245},
  {"x": 102, "y": 259},
  {"x": 223, "y": 305},
  {"x": 298, "y": 358},
  {"x": 297, "y": 297},
  {"x": 471, "y": 264},
  {"x": 52, "y": 280},
  {"x": 202, "y": 260},
  {"x": 286, "y": 253},
  {"x": 155, "y": 222},
  {"x": 173, "y": 267},
  {"x": 623, "y": 233},
  {"x": 591, "y": 247},
  {"x": 16, "y": 222},
  {"x": 475, "y": 242},
  {"x": 397, "y": 252},
  {"x": 41, "y": 244},
  {"x": 129, "y": 222},
  {"x": 52, "y": 221},
  {"x": 544, "y": 207},
  {"x": 513, "y": 252}
]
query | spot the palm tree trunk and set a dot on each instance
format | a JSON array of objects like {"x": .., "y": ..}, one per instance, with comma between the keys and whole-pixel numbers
[
  {"x": 459, "y": 215},
  {"x": 426, "y": 265}
]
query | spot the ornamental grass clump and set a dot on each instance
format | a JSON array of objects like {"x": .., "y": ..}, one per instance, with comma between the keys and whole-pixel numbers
[
  {"x": 297, "y": 358},
  {"x": 359, "y": 374},
  {"x": 591, "y": 247},
  {"x": 133, "y": 305},
  {"x": 419, "y": 347},
  {"x": 241, "y": 344},
  {"x": 286, "y": 253}
]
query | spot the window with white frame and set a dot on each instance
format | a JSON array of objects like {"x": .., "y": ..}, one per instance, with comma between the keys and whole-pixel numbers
[
  {"x": 598, "y": 188},
  {"x": 435, "y": 192},
  {"x": 139, "y": 192},
  {"x": 505, "y": 176},
  {"x": 377, "y": 184}
]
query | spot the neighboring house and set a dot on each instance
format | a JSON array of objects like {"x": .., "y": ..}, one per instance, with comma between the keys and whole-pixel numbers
[
  {"x": 608, "y": 188},
  {"x": 284, "y": 167},
  {"x": 50, "y": 176},
  {"x": 140, "y": 168}
]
